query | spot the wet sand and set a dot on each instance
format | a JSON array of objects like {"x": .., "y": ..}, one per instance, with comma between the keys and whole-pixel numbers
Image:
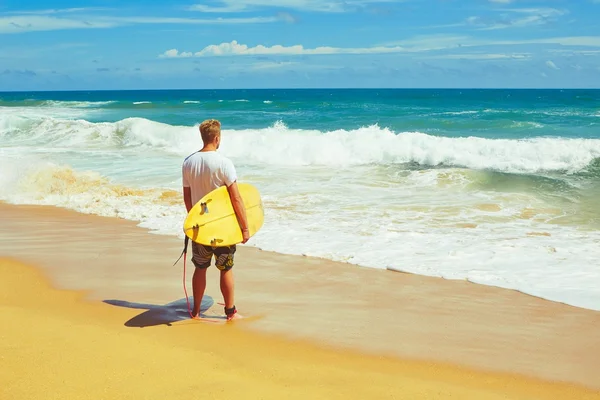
[{"x": 313, "y": 325}]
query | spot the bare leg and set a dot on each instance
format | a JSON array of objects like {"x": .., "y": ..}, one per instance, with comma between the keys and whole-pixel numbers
[
  {"x": 227, "y": 287},
  {"x": 199, "y": 285}
]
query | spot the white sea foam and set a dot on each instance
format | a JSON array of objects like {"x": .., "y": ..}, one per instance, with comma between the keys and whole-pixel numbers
[
  {"x": 279, "y": 145},
  {"x": 75, "y": 104},
  {"x": 466, "y": 112},
  {"x": 38, "y": 113},
  {"x": 373, "y": 145},
  {"x": 335, "y": 194},
  {"x": 527, "y": 124},
  {"x": 69, "y": 133},
  {"x": 422, "y": 222}
]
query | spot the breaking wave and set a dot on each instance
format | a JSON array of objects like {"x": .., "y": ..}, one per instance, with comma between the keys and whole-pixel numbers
[{"x": 280, "y": 145}]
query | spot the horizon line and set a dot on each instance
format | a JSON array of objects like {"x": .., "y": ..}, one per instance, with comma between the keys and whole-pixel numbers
[{"x": 300, "y": 88}]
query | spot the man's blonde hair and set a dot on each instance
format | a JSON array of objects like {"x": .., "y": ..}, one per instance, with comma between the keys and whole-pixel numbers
[{"x": 210, "y": 129}]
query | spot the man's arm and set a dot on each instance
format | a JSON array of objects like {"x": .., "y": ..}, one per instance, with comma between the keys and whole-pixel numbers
[
  {"x": 240, "y": 210},
  {"x": 187, "y": 190},
  {"x": 187, "y": 198}
]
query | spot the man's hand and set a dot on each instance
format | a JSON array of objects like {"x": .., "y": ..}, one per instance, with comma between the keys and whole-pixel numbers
[{"x": 245, "y": 235}]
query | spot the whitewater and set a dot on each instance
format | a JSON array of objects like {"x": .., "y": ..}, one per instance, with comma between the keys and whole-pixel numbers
[{"x": 520, "y": 213}]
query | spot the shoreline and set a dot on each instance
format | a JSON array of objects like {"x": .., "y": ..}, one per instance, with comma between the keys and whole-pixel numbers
[{"x": 302, "y": 299}]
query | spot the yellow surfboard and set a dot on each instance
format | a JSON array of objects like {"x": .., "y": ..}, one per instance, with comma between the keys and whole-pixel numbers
[{"x": 212, "y": 221}]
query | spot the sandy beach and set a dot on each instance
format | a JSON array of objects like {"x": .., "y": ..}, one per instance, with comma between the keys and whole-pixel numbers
[{"x": 92, "y": 307}]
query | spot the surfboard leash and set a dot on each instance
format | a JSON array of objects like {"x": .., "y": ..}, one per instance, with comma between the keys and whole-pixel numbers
[
  {"x": 184, "y": 255},
  {"x": 184, "y": 252}
]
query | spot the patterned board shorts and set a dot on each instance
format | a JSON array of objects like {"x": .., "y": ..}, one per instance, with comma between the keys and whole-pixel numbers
[{"x": 202, "y": 256}]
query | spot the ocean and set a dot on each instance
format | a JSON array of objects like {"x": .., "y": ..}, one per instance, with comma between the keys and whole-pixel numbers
[{"x": 497, "y": 187}]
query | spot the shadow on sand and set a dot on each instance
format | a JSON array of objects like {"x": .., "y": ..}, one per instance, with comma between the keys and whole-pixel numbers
[{"x": 160, "y": 315}]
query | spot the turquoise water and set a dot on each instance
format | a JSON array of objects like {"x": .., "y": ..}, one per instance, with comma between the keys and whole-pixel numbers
[
  {"x": 499, "y": 187},
  {"x": 450, "y": 112}
]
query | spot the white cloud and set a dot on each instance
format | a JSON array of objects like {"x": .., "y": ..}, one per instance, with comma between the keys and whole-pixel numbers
[
  {"x": 513, "y": 18},
  {"x": 18, "y": 24},
  {"x": 592, "y": 41},
  {"x": 484, "y": 56},
  {"x": 412, "y": 45},
  {"x": 174, "y": 53},
  {"x": 179, "y": 21},
  {"x": 271, "y": 65},
  {"x": 431, "y": 42},
  {"x": 58, "y": 11},
  {"x": 570, "y": 52},
  {"x": 225, "y": 6},
  {"x": 225, "y": 9},
  {"x": 436, "y": 42},
  {"x": 31, "y": 23},
  {"x": 266, "y": 66},
  {"x": 550, "y": 64},
  {"x": 236, "y": 49},
  {"x": 542, "y": 12}
]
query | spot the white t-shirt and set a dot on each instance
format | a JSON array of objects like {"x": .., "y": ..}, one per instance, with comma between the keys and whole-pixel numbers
[{"x": 206, "y": 171}]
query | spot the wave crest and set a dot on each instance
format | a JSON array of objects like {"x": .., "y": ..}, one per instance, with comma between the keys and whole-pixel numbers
[
  {"x": 280, "y": 145},
  {"x": 374, "y": 145}
]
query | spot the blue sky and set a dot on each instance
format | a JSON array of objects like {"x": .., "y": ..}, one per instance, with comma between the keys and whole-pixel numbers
[{"x": 110, "y": 44}]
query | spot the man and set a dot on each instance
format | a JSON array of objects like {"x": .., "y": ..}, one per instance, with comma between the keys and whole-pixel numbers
[{"x": 203, "y": 172}]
